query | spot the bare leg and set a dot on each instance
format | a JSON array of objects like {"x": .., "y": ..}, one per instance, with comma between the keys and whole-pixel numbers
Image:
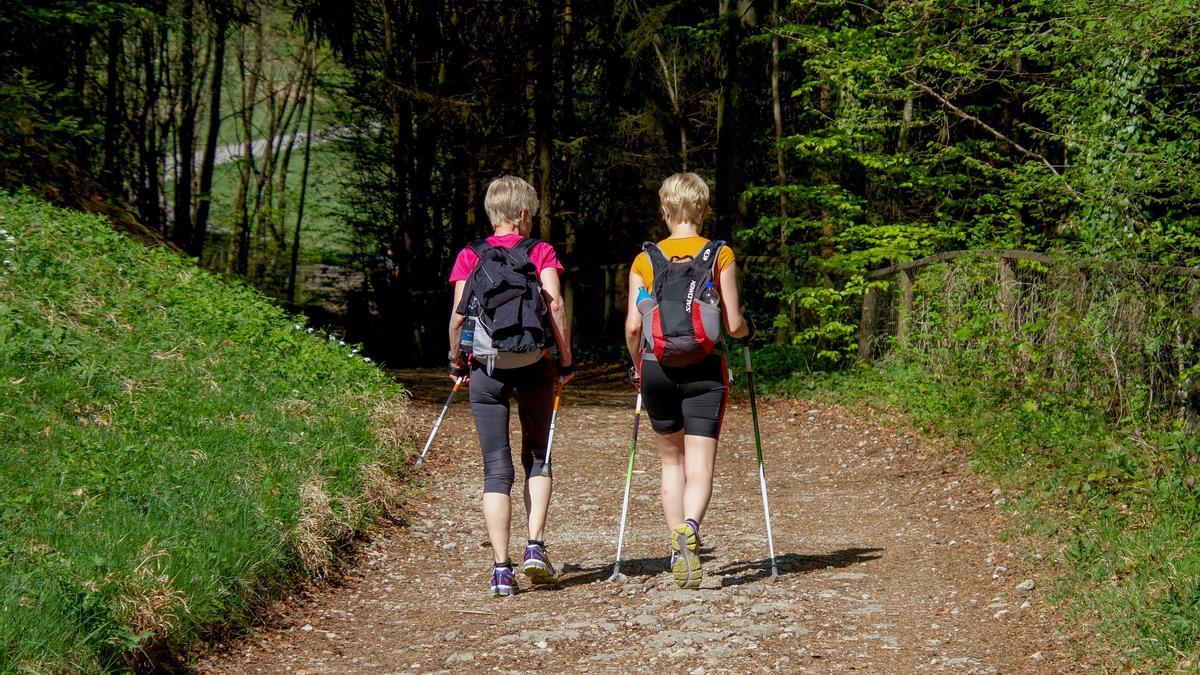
[
  {"x": 497, "y": 512},
  {"x": 537, "y": 502},
  {"x": 700, "y": 454},
  {"x": 670, "y": 451}
]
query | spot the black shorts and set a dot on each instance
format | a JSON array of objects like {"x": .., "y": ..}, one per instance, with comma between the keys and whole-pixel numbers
[{"x": 691, "y": 398}]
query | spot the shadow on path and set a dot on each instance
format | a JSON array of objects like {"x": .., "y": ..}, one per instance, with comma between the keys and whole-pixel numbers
[
  {"x": 795, "y": 563},
  {"x": 747, "y": 572}
]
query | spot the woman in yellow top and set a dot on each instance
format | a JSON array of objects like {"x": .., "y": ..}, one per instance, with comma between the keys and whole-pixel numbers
[{"x": 686, "y": 403}]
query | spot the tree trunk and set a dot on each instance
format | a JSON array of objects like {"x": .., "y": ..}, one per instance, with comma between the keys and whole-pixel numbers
[
  {"x": 788, "y": 306},
  {"x": 112, "y": 118},
  {"x": 295, "y": 262},
  {"x": 544, "y": 112},
  {"x": 729, "y": 173},
  {"x": 568, "y": 204},
  {"x": 186, "y": 132},
  {"x": 242, "y": 206},
  {"x": 149, "y": 152},
  {"x": 195, "y": 245}
]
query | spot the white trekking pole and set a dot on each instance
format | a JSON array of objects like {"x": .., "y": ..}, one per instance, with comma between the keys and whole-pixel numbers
[
  {"x": 637, "y": 418},
  {"x": 553, "y": 423},
  {"x": 438, "y": 423}
]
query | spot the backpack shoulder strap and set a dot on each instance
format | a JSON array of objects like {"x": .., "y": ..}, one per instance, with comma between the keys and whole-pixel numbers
[
  {"x": 658, "y": 264},
  {"x": 706, "y": 258},
  {"x": 526, "y": 245},
  {"x": 480, "y": 247},
  {"x": 520, "y": 259}
]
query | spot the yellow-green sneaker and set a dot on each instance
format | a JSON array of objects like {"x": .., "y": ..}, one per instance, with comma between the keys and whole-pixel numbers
[{"x": 685, "y": 562}]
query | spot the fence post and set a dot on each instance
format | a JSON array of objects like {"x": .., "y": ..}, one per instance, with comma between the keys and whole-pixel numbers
[
  {"x": 903, "y": 318},
  {"x": 1008, "y": 304},
  {"x": 867, "y": 323}
]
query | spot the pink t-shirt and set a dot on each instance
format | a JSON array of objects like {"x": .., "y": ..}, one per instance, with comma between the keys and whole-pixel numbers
[{"x": 542, "y": 255}]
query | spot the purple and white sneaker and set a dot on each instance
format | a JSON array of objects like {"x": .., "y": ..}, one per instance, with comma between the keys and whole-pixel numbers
[
  {"x": 537, "y": 565},
  {"x": 504, "y": 582}
]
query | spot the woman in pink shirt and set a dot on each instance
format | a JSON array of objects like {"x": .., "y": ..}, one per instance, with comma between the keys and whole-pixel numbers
[{"x": 528, "y": 377}]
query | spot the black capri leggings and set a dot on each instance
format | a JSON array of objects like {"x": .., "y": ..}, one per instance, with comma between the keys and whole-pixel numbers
[
  {"x": 691, "y": 398},
  {"x": 533, "y": 388}
]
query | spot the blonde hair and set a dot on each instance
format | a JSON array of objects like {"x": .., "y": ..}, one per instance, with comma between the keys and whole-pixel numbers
[
  {"x": 685, "y": 197},
  {"x": 506, "y": 197}
]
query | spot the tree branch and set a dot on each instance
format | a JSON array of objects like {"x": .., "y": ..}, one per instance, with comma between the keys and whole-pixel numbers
[{"x": 992, "y": 130}]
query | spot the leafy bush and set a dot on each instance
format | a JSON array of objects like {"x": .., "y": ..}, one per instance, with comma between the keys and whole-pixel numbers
[{"x": 172, "y": 446}]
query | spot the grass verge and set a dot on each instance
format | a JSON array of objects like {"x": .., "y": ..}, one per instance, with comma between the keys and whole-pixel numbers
[
  {"x": 173, "y": 447},
  {"x": 1119, "y": 502}
]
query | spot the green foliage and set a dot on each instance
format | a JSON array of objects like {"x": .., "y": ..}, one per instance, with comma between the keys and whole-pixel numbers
[
  {"x": 922, "y": 125},
  {"x": 172, "y": 448}
]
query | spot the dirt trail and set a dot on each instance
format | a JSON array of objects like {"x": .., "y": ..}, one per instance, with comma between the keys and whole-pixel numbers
[{"x": 887, "y": 551}]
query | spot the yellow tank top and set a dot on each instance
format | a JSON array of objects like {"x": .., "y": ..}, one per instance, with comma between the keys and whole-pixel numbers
[{"x": 684, "y": 248}]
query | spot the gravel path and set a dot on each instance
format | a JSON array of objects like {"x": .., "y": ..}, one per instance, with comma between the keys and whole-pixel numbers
[{"x": 887, "y": 551}]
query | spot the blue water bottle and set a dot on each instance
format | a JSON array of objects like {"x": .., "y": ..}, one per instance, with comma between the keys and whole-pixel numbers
[
  {"x": 645, "y": 302},
  {"x": 467, "y": 336},
  {"x": 710, "y": 296}
]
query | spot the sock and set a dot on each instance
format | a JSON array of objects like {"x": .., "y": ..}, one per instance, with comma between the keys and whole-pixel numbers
[
  {"x": 694, "y": 524},
  {"x": 537, "y": 542},
  {"x": 507, "y": 563}
]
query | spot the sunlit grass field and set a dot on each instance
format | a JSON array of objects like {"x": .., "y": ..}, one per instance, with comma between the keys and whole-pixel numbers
[{"x": 173, "y": 447}]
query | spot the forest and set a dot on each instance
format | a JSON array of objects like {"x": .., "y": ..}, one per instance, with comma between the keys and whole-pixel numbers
[
  {"x": 839, "y": 137},
  {"x": 984, "y": 216}
]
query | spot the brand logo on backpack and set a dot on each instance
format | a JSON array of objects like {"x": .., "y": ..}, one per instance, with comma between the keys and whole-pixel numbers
[
  {"x": 682, "y": 329},
  {"x": 690, "y": 296},
  {"x": 504, "y": 298}
]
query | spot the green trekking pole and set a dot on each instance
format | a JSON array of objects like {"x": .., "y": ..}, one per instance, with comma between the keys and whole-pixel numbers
[
  {"x": 637, "y": 418},
  {"x": 762, "y": 473}
]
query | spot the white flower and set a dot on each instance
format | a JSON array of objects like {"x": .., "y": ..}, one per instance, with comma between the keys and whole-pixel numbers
[
  {"x": 353, "y": 352},
  {"x": 298, "y": 327},
  {"x": 341, "y": 343},
  {"x": 366, "y": 359},
  {"x": 7, "y": 262},
  {"x": 310, "y": 330}
]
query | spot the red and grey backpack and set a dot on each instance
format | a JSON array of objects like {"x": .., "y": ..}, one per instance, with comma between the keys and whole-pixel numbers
[{"x": 682, "y": 329}]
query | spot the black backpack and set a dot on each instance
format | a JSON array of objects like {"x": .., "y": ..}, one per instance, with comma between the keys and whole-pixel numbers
[
  {"x": 682, "y": 329},
  {"x": 504, "y": 298}
]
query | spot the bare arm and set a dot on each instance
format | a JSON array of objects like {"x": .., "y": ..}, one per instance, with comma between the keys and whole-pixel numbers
[
  {"x": 456, "y": 320},
  {"x": 633, "y": 321},
  {"x": 731, "y": 306},
  {"x": 559, "y": 323}
]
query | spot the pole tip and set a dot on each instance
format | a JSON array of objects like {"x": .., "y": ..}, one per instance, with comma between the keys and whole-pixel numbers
[
  {"x": 774, "y": 574},
  {"x": 618, "y": 577}
]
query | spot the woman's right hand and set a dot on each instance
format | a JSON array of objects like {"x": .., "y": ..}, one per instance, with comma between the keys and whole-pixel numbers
[{"x": 459, "y": 370}]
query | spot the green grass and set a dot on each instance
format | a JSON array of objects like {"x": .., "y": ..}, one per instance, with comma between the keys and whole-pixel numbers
[
  {"x": 1114, "y": 501},
  {"x": 172, "y": 447}
]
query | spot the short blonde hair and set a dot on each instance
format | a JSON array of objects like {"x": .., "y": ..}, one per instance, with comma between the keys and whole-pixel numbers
[
  {"x": 685, "y": 197},
  {"x": 506, "y": 197}
]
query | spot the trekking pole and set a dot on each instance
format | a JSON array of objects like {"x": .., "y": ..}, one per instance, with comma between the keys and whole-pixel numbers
[
  {"x": 637, "y": 418},
  {"x": 553, "y": 423},
  {"x": 438, "y": 423},
  {"x": 762, "y": 473}
]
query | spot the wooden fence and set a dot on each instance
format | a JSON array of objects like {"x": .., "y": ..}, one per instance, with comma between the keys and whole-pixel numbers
[{"x": 903, "y": 276}]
